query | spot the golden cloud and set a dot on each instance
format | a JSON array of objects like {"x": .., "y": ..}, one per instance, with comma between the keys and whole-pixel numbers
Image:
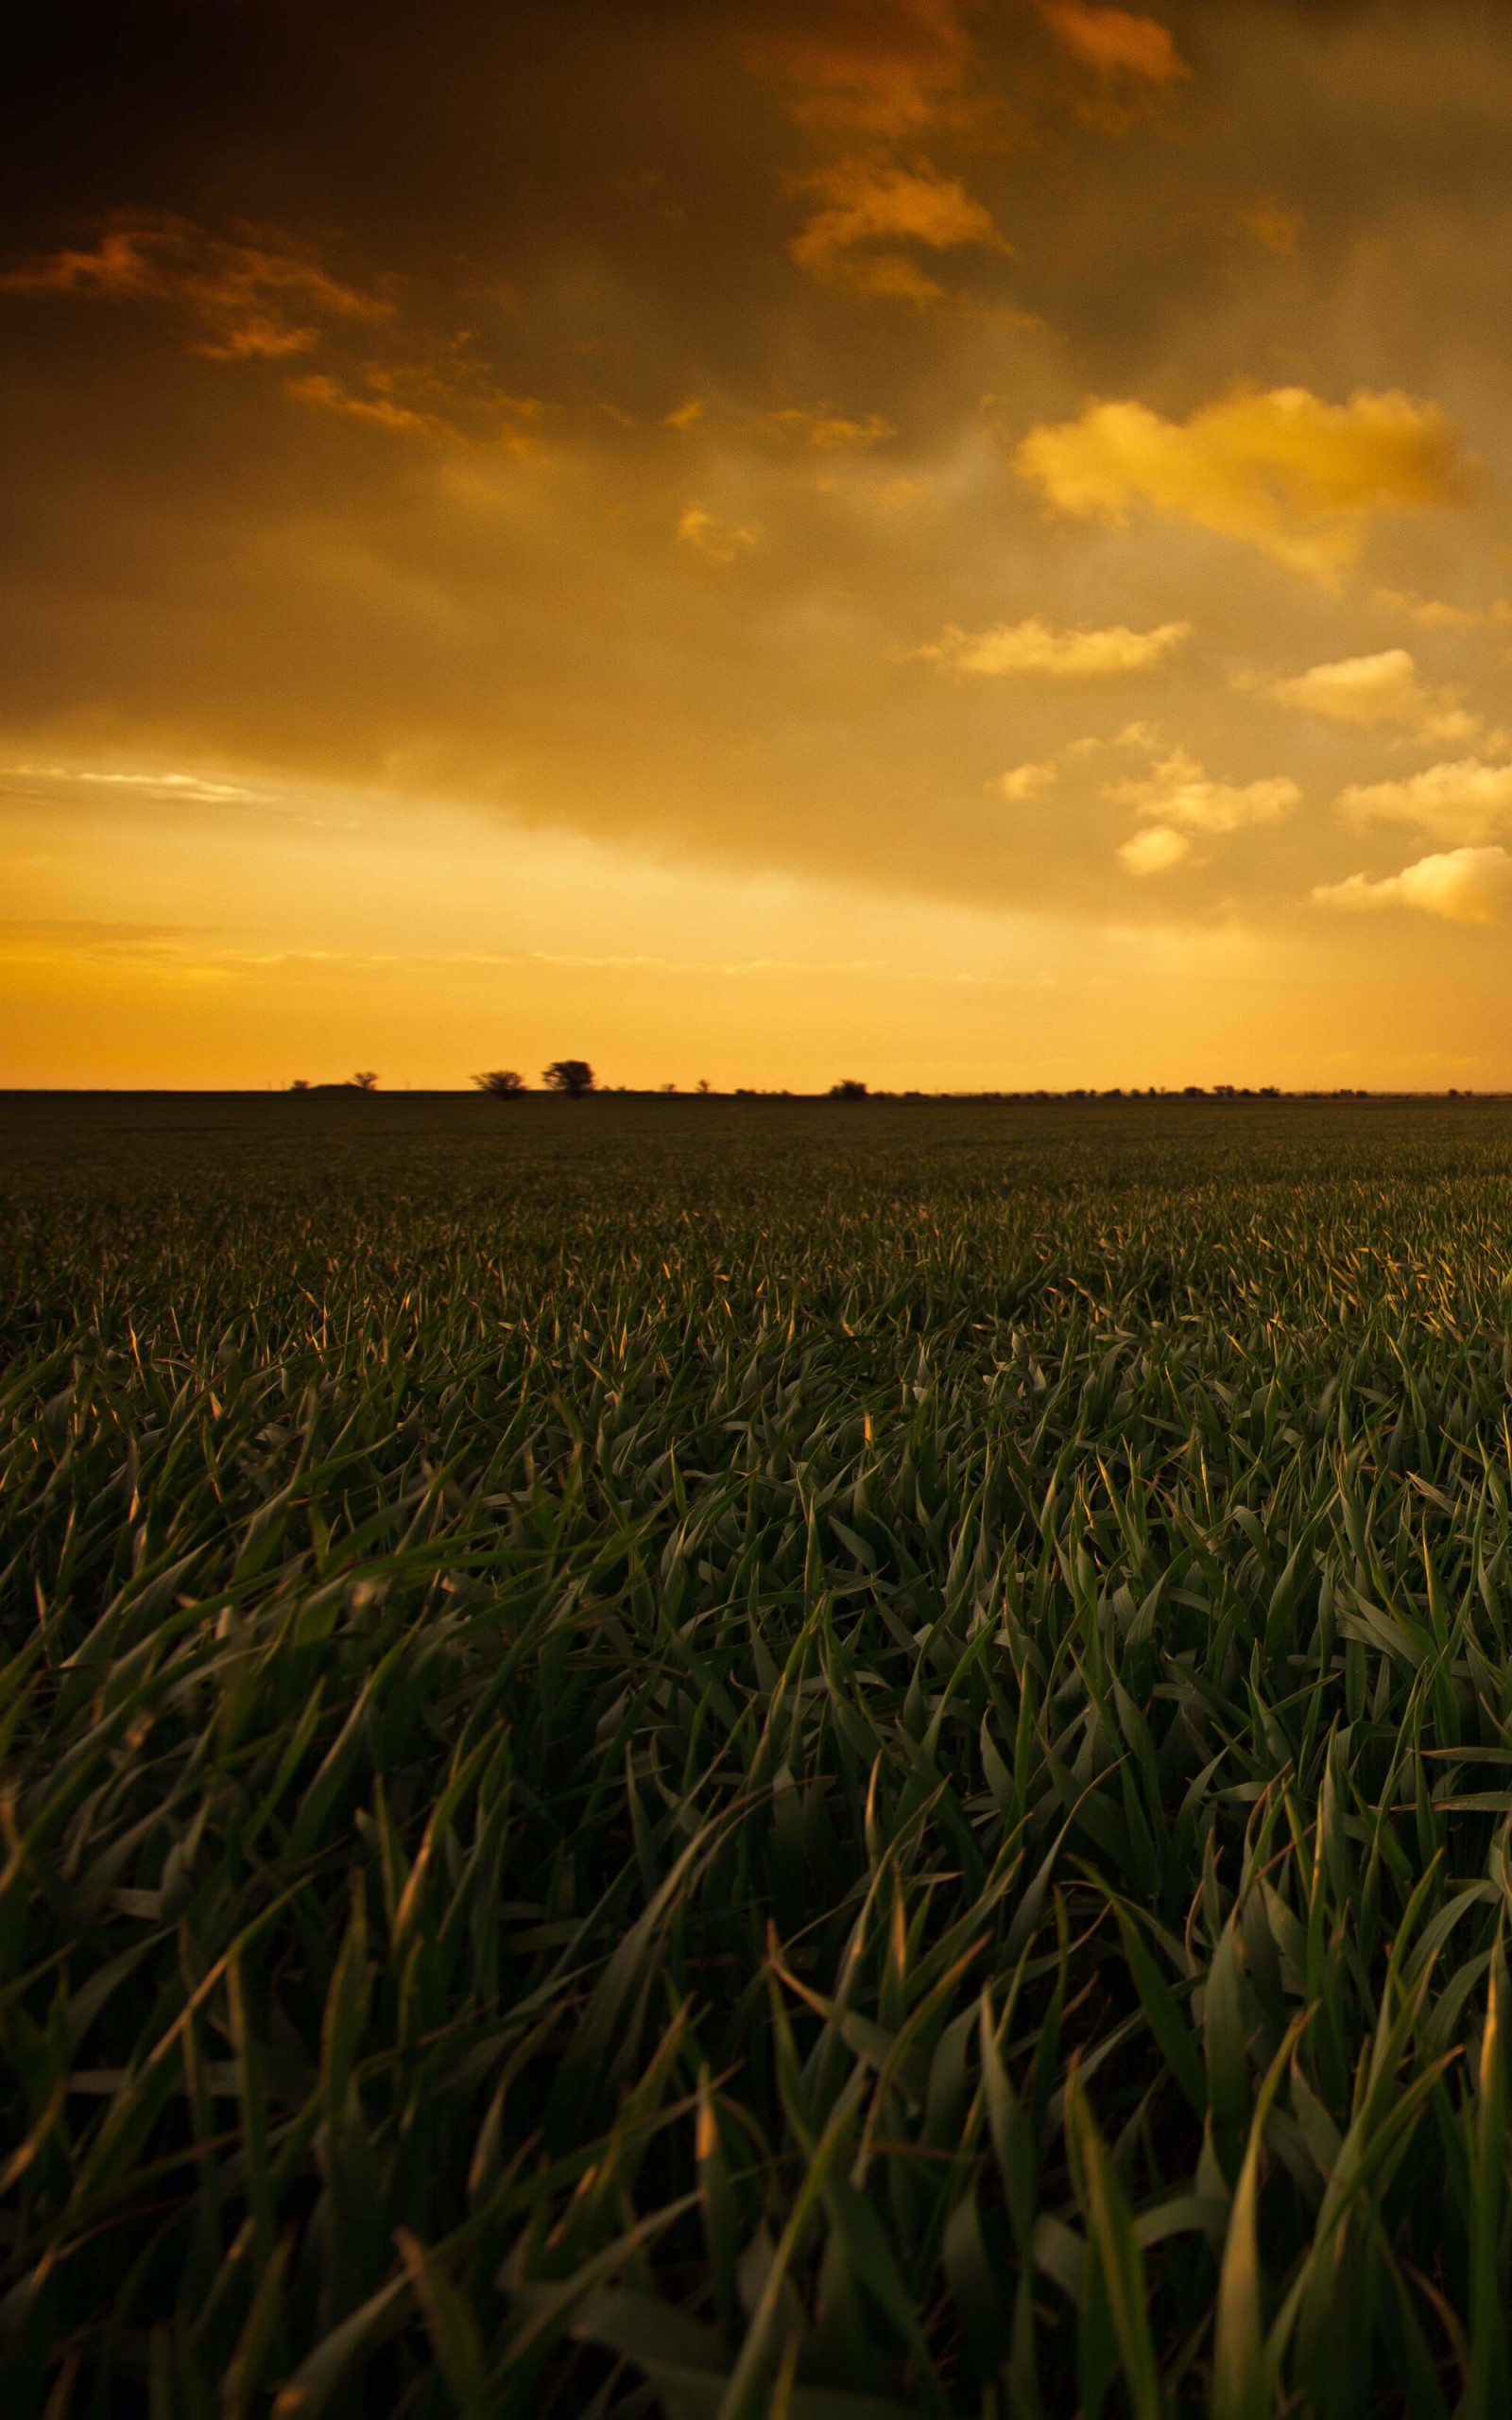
[
  {"x": 1154, "y": 851},
  {"x": 1467, "y": 885},
  {"x": 830, "y": 432},
  {"x": 1035, "y": 647},
  {"x": 1272, "y": 224},
  {"x": 1282, "y": 471},
  {"x": 1025, "y": 782},
  {"x": 1179, "y": 794},
  {"x": 398, "y": 400},
  {"x": 719, "y": 542},
  {"x": 888, "y": 70},
  {"x": 251, "y": 296},
  {"x": 1466, "y": 801},
  {"x": 869, "y": 200},
  {"x": 1432, "y": 614},
  {"x": 1114, "y": 41},
  {"x": 1365, "y": 689},
  {"x": 381, "y": 412}
]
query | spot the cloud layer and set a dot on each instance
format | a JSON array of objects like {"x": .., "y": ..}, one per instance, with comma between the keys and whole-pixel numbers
[{"x": 577, "y": 424}]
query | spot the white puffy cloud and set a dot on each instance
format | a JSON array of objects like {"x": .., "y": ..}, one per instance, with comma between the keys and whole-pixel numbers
[
  {"x": 1467, "y": 885},
  {"x": 1362, "y": 690},
  {"x": 1035, "y": 647},
  {"x": 1177, "y": 793},
  {"x": 1466, "y": 801}
]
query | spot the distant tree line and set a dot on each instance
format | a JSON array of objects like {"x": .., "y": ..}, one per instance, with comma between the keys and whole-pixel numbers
[{"x": 575, "y": 1079}]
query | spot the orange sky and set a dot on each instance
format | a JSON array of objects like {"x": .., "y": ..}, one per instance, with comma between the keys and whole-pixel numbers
[{"x": 966, "y": 544}]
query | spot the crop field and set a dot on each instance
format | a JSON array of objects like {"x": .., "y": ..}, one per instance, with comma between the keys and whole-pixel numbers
[{"x": 727, "y": 1759}]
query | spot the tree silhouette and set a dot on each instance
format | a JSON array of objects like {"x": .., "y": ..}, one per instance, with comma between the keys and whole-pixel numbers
[
  {"x": 301, "y": 1084},
  {"x": 849, "y": 1088},
  {"x": 365, "y": 1081},
  {"x": 571, "y": 1077},
  {"x": 502, "y": 1083}
]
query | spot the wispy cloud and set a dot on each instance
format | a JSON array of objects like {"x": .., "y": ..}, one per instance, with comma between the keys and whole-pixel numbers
[
  {"x": 890, "y": 68},
  {"x": 190, "y": 785},
  {"x": 832, "y": 432},
  {"x": 720, "y": 542},
  {"x": 1432, "y": 614},
  {"x": 1036, "y": 648},
  {"x": 1115, "y": 42},
  {"x": 866, "y": 202},
  {"x": 418, "y": 400},
  {"x": 255, "y": 294},
  {"x": 1272, "y": 225}
]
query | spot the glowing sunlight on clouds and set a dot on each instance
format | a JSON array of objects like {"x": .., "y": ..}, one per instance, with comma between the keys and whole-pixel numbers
[
  {"x": 866, "y": 200},
  {"x": 1467, "y": 800},
  {"x": 1154, "y": 851},
  {"x": 1178, "y": 792},
  {"x": 1034, "y": 646},
  {"x": 720, "y": 542},
  {"x": 1025, "y": 782},
  {"x": 1114, "y": 40},
  {"x": 1285, "y": 471},
  {"x": 1467, "y": 885},
  {"x": 1385, "y": 688},
  {"x": 946, "y": 460}
]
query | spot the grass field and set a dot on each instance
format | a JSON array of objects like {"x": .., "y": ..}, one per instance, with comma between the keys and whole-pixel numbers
[{"x": 725, "y": 1760}]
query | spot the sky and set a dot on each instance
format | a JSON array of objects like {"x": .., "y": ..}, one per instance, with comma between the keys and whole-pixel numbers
[{"x": 959, "y": 543}]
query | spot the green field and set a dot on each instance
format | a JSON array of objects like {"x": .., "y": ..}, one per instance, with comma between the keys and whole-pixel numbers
[{"x": 728, "y": 1759}]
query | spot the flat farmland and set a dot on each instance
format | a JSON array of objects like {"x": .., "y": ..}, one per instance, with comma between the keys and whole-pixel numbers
[{"x": 723, "y": 1757}]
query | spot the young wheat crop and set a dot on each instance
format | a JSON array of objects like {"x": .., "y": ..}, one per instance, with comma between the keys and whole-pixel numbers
[{"x": 734, "y": 1759}]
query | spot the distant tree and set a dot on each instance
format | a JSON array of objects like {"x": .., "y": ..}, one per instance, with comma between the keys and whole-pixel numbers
[
  {"x": 301, "y": 1084},
  {"x": 667, "y": 1088},
  {"x": 502, "y": 1083},
  {"x": 365, "y": 1081},
  {"x": 704, "y": 1085},
  {"x": 849, "y": 1088},
  {"x": 571, "y": 1077}
]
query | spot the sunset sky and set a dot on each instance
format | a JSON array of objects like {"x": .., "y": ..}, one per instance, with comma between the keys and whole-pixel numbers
[{"x": 958, "y": 542}]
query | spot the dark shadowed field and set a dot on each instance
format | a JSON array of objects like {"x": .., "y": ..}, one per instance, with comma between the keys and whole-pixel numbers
[{"x": 721, "y": 1758}]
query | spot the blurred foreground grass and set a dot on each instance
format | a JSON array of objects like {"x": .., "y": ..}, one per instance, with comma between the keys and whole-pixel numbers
[{"x": 727, "y": 1759}]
